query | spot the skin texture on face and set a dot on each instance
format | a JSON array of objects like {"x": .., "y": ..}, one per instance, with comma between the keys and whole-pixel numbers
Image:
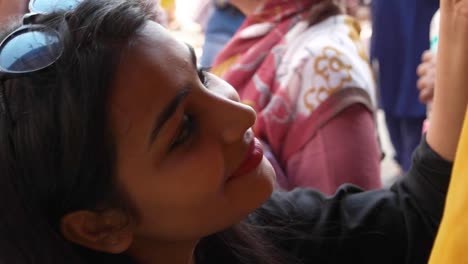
[{"x": 177, "y": 176}]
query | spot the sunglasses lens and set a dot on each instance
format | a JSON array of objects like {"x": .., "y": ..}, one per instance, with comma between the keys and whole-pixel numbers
[
  {"x": 29, "y": 50},
  {"x": 49, "y": 6}
]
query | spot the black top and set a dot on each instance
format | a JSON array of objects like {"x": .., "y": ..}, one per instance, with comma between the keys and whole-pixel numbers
[{"x": 383, "y": 226}]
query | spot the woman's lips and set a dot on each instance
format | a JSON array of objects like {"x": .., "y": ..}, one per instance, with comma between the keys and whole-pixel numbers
[{"x": 252, "y": 159}]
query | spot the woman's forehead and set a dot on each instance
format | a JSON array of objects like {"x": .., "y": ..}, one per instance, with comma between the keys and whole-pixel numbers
[
  {"x": 155, "y": 35},
  {"x": 154, "y": 54},
  {"x": 152, "y": 70},
  {"x": 155, "y": 47}
]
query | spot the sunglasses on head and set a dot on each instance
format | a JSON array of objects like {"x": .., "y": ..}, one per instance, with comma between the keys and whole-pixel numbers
[
  {"x": 30, "y": 48},
  {"x": 33, "y": 47}
]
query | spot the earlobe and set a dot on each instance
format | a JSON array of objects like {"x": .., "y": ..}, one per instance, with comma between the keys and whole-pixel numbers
[{"x": 103, "y": 232}]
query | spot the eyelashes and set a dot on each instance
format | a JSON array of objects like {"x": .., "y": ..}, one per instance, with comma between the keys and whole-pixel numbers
[
  {"x": 185, "y": 131},
  {"x": 188, "y": 125},
  {"x": 202, "y": 75}
]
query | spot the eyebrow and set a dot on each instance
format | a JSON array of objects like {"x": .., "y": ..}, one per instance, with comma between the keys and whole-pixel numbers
[
  {"x": 193, "y": 56},
  {"x": 171, "y": 108}
]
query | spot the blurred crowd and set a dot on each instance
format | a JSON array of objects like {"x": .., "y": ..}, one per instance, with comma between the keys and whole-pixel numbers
[{"x": 390, "y": 36}]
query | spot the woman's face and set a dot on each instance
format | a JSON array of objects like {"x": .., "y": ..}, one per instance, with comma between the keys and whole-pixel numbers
[{"x": 185, "y": 154}]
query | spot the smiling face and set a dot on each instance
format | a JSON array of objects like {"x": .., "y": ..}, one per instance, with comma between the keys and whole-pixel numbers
[{"x": 185, "y": 154}]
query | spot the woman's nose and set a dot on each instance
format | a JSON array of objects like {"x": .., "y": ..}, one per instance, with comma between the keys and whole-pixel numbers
[{"x": 231, "y": 119}]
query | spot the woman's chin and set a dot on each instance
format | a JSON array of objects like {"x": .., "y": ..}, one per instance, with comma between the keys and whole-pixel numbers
[
  {"x": 269, "y": 172},
  {"x": 249, "y": 192},
  {"x": 267, "y": 181}
]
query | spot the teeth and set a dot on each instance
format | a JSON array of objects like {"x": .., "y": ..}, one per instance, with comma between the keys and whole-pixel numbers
[{"x": 248, "y": 136}]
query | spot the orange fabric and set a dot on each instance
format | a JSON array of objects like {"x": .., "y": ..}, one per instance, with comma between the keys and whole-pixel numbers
[{"x": 452, "y": 239}]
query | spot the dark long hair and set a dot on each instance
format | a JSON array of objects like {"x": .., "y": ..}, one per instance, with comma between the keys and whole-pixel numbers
[
  {"x": 323, "y": 10},
  {"x": 59, "y": 156}
]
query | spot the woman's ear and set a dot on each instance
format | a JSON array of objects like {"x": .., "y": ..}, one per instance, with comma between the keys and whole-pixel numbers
[{"x": 108, "y": 232}]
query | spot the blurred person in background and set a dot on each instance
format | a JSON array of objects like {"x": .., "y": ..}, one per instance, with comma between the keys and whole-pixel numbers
[
  {"x": 223, "y": 22},
  {"x": 400, "y": 36},
  {"x": 301, "y": 65},
  {"x": 427, "y": 68},
  {"x": 351, "y": 6},
  {"x": 169, "y": 7}
]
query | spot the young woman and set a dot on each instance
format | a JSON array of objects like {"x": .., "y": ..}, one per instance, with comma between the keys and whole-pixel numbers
[
  {"x": 114, "y": 148},
  {"x": 301, "y": 66}
]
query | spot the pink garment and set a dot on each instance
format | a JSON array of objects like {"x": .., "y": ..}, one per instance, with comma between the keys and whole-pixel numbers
[
  {"x": 343, "y": 147},
  {"x": 357, "y": 150},
  {"x": 301, "y": 80}
]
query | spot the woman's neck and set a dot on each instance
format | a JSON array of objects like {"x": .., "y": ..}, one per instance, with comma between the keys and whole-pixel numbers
[{"x": 157, "y": 252}]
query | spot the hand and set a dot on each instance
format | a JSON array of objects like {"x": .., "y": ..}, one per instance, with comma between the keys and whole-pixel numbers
[{"x": 426, "y": 72}]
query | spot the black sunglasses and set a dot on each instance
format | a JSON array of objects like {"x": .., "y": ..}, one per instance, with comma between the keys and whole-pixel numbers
[{"x": 31, "y": 47}]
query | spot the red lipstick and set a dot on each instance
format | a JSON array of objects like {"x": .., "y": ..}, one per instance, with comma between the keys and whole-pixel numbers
[{"x": 252, "y": 159}]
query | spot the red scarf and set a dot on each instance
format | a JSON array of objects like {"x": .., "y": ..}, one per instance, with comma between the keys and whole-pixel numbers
[
  {"x": 260, "y": 32},
  {"x": 249, "y": 54}
]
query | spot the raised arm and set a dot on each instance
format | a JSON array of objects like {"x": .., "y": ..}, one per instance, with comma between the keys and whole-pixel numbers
[
  {"x": 450, "y": 245},
  {"x": 451, "y": 86}
]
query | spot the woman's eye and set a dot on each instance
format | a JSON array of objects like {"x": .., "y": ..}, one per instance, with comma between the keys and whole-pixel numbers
[
  {"x": 185, "y": 131},
  {"x": 202, "y": 74}
]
